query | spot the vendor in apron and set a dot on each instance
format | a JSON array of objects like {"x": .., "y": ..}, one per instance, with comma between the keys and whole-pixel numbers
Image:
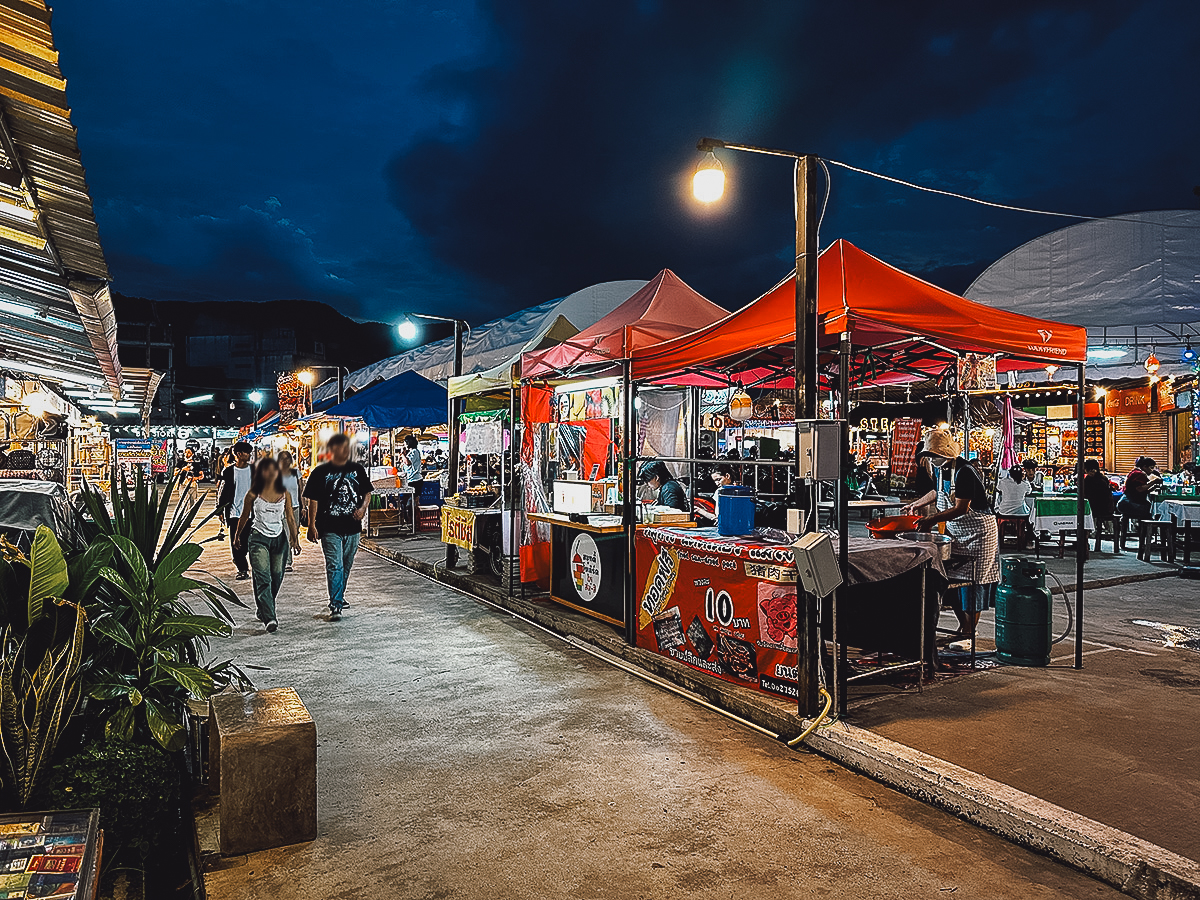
[{"x": 963, "y": 504}]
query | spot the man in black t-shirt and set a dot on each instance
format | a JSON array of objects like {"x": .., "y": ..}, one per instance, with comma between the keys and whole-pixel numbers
[{"x": 337, "y": 493}]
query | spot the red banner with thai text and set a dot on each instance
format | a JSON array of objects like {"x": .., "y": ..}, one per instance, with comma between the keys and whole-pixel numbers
[{"x": 723, "y": 605}]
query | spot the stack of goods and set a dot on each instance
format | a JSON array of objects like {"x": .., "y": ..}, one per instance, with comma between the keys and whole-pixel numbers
[{"x": 478, "y": 497}]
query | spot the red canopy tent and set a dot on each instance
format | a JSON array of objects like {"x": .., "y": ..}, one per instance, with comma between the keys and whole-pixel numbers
[
  {"x": 907, "y": 325},
  {"x": 664, "y": 308}
]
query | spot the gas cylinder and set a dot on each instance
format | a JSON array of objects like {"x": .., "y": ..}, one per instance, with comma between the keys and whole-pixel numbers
[{"x": 1023, "y": 612}]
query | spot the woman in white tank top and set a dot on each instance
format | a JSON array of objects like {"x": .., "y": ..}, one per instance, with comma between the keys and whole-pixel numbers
[{"x": 268, "y": 525}]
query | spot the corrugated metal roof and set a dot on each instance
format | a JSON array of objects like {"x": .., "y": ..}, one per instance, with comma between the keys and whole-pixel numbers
[{"x": 55, "y": 306}]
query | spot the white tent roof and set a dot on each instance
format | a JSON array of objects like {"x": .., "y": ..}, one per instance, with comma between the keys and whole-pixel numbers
[
  {"x": 1133, "y": 281},
  {"x": 491, "y": 345}
]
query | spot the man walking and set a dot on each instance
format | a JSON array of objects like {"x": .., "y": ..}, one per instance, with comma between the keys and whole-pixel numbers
[
  {"x": 337, "y": 493},
  {"x": 235, "y": 484}
]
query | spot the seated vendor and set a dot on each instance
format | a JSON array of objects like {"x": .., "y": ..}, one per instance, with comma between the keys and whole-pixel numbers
[
  {"x": 657, "y": 479},
  {"x": 723, "y": 476}
]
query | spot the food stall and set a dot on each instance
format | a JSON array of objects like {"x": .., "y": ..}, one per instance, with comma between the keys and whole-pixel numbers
[
  {"x": 575, "y": 403},
  {"x": 877, "y": 325},
  {"x": 479, "y": 519},
  {"x": 406, "y": 400}
]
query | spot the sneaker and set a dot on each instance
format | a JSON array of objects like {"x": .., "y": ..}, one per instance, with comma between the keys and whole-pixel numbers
[
  {"x": 242, "y": 576},
  {"x": 272, "y": 625},
  {"x": 335, "y": 615}
]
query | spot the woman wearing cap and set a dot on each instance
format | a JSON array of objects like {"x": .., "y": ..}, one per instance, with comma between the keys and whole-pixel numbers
[
  {"x": 967, "y": 512},
  {"x": 655, "y": 475}
]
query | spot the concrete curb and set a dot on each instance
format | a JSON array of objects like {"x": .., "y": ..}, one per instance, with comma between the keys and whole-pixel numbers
[{"x": 1135, "y": 866}]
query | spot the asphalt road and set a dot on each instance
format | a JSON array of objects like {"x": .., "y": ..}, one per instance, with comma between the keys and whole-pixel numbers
[{"x": 464, "y": 753}]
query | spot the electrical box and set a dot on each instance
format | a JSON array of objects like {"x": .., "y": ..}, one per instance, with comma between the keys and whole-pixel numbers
[
  {"x": 817, "y": 564},
  {"x": 819, "y": 449}
]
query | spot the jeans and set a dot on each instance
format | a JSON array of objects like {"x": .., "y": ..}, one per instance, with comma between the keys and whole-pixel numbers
[
  {"x": 339, "y": 550},
  {"x": 268, "y": 559},
  {"x": 238, "y": 551}
]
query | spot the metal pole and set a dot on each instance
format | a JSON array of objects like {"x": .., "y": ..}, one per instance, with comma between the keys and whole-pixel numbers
[
  {"x": 341, "y": 385},
  {"x": 805, "y": 372},
  {"x": 452, "y": 431},
  {"x": 1080, "y": 500},
  {"x": 513, "y": 482},
  {"x": 806, "y": 282},
  {"x": 629, "y": 498},
  {"x": 844, "y": 353}
]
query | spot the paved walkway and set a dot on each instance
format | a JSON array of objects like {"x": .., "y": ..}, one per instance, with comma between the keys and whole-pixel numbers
[
  {"x": 1117, "y": 741},
  {"x": 463, "y": 753}
]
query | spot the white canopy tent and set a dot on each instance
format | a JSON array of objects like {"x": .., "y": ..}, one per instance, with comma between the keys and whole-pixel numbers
[
  {"x": 499, "y": 342},
  {"x": 1133, "y": 281}
]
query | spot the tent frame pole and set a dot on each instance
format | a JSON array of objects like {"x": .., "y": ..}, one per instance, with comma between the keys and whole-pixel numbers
[
  {"x": 1081, "y": 540},
  {"x": 452, "y": 407},
  {"x": 629, "y": 498}
]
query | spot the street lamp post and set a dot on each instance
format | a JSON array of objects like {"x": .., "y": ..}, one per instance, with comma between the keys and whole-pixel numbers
[
  {"x": 407, "y": 329},
  {"x": 708, "y": 185}
]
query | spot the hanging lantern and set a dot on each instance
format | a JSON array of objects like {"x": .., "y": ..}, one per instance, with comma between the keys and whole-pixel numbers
[
  {"x": 1152, "y": 364},
  {"x": 741, "y": 407}
]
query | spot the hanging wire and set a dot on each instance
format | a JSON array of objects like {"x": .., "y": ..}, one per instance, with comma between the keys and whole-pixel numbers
[{"x": 969, "y": 199}]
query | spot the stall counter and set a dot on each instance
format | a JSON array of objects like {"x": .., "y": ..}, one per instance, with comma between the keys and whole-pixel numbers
[
  {"x": 587, "y": 565},
  {"x": 727, "y": 605}
]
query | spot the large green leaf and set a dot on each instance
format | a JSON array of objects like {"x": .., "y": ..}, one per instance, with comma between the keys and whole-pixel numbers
[
  {"x": 113, "y": 577},
  {"x": 114, "y": 690},
  {"x": 48, "y": 577},
  {"x": 83, "y": 570},
  {"x": 133, "y": 562},
  {"x": 165, "y": 729},
  {"x": 193, "y": 626},
  {"x": 121, "y": 724},
  {"x": 110, "y": 627},
  {"x": 176, "y": 563},
  {"x": 192, "y": 679}
]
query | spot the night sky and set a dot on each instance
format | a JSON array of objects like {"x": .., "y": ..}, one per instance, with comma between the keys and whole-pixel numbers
[{"x": 478, "y": 158}]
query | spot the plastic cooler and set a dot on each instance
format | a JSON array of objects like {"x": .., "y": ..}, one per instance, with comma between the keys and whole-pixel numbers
[{"x": 735, "y": 510}]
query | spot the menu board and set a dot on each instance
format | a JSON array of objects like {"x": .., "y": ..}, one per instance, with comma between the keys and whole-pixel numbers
[
  {"x": 906, "y": 434},
  {"x": 1035, "y": 440},
  {"x": 1093, "y": 437},
  {"x": 50, "y": 854}
]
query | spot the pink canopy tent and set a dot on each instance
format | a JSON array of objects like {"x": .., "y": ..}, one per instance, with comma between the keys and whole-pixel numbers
[{"x": 664, "y": 308}]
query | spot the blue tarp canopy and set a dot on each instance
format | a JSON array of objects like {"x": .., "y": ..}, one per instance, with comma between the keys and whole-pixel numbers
[{"x": 407, "y": 400}]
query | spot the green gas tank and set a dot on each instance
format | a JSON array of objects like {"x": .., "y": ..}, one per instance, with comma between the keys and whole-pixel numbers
[{"x": 1023, "y": 612}]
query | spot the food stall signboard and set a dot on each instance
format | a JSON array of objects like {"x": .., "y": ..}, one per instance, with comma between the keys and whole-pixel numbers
[
  {"x": 906, "y": 434},
  {"x": 132, "y": 455},
  {"x": 458, "y": 527},
  {"x": 726, "y": 606}
]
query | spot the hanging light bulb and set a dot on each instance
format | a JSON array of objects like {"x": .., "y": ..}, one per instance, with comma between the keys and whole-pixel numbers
[
  {"x": 708, "y": 184},
  {"x": 1188, "y": 355},
  {"x": 741, "y": 407}
]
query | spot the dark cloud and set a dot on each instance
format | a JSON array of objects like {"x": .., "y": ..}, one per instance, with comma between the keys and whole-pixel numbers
[
  {"x": 571, "y": 162},
  {"x": 447, "y": 155}
]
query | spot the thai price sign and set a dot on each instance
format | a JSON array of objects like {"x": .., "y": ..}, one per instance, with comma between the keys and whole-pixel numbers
[{"x": 726, "y": 606}]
